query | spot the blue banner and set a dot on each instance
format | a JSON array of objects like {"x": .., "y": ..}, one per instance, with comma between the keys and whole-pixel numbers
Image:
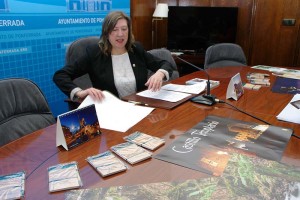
[{"x": 34, "y": 36}]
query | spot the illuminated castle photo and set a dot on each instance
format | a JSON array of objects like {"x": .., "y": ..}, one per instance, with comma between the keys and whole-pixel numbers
[
  {"x": 245, "y": 133},
  {"x": 80, "y": 126}
]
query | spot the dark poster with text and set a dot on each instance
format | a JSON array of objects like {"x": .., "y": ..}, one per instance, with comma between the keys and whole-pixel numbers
[{"x": 207, "y": 146}]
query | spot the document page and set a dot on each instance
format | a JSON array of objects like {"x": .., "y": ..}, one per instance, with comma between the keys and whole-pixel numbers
[
  {"x": 192, "y": 89},
  {"x": 290, "y": 113},
  {"x": 166, "y": 95},
  {"x": 115, "y": 114}
]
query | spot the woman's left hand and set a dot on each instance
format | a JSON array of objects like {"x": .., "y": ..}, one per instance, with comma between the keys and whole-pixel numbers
[{"x": 154, "y": 83}]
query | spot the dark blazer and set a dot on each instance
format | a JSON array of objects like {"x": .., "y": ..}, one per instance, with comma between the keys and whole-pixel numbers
[{"x": 99, "y": 68}]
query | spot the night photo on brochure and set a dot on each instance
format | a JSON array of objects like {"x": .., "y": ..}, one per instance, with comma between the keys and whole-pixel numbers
[{"x": 80, "y": 125}]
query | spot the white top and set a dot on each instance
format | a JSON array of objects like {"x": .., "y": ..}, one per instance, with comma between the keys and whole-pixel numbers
[{"x": 123, "y": 75}]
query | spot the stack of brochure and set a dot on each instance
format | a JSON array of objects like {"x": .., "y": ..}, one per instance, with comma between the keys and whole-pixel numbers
[
  {"x": 12, "y": 186},
  {"x": 131, "y": 152},
  {"x": 258, "y": 78},
  {"x": 145, "y": 140},
  {"x": 107, "y": 163},
  {"x": 279, "y": 71},
  {"x": 64, "y": 176}
]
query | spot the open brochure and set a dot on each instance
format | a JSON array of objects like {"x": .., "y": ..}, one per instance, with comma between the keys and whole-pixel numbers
[
  {"x": 115, "y": 114},
  {"x": 107, "y": 163}
]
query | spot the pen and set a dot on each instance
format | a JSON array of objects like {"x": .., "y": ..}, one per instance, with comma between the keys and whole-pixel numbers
[{"x": 138, "y": 103}]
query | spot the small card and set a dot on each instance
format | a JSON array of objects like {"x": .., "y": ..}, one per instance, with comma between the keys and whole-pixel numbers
[
  {"x": 77, "y": 126},
  {"x": 107, "y": 163},
  {"x": 131, "y": 152},
  {"x": 12, "y": 186},
  {"x": 145, "y": 140},
  {"x": 235, "y": 88},
  {"x": 63, "y": 177}
]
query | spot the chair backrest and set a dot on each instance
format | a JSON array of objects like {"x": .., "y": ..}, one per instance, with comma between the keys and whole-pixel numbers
[
  {"x": 224, "y": 54},
  {"x": 24, "y": 109},
  {"x": 165, "y": 54},
  {"x": 74, "y": 51}
]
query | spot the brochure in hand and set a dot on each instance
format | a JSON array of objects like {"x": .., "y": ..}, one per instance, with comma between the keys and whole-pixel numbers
[
  {"x": 64, "y": 176},
  {"x": 12, "y": 186},
  {"x": 107, "y": 163},
  {"x": 131, "y": 152},
  {"x": 145, "y": 140}
]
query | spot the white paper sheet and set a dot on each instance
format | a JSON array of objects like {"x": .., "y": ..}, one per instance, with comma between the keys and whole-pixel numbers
[
  {"x": 165, "y": 95},
  {"x": 290, "y": 113},
  {"x": 115, "y": 114},
  {"x": 192, "y": 89}
]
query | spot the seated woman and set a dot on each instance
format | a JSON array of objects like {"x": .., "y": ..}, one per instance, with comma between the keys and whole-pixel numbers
[{"x": 117, "y": 64}]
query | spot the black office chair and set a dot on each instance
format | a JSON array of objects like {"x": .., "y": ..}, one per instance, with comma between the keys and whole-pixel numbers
[
  {"x": 24, "y": 109},
  {"x": 224, "y": 54},
  {"x": 165, "y": 54},
  {"x": 76, "y": 49}
]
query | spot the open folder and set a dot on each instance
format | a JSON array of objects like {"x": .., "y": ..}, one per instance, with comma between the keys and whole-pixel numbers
[{"x": 115, "y": 114}]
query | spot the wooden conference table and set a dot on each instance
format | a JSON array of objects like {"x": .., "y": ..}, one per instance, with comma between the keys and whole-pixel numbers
[{"x": 35, "y": 152}]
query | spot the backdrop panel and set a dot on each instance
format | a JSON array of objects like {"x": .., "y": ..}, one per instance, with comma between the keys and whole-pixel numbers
[{"x": 34, "y": 36}]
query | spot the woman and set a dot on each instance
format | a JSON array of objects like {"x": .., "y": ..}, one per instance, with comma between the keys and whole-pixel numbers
[{"x": 117, "y": 64}]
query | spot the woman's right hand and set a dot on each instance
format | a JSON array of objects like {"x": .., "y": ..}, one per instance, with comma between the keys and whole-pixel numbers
[{"x": 96, "y": 94}]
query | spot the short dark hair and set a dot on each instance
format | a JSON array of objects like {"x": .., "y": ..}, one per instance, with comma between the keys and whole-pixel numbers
[{"x": 108, "y": 25}]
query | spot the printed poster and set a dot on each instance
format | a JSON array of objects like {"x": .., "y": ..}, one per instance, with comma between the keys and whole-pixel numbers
[
  {"x": 208, "y": 145},
  {"x": 245, "y": 177}
]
